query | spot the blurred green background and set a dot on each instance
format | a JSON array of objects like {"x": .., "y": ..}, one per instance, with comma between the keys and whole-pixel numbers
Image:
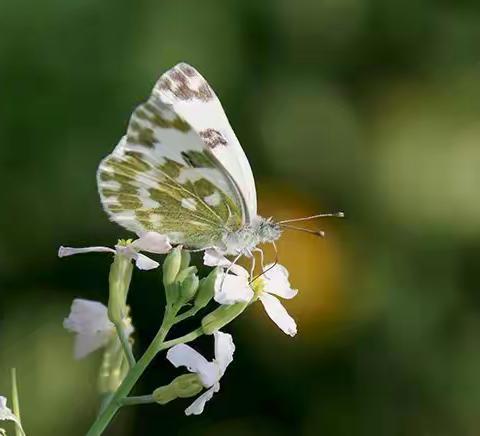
[{"x": 366, "y": 106}]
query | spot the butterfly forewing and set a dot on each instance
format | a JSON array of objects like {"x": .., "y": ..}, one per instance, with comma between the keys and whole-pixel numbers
[
  {"x": 162, "y": 177},
  {"x": 193, "y": 99}
]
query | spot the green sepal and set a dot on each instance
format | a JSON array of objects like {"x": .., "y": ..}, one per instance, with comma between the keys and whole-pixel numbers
[
  {"x": 187, "y": 385},
  {"x": 221, "y": 316},
  {"x": 184, "y": 386},
  {"x": 164, "y": 394}
]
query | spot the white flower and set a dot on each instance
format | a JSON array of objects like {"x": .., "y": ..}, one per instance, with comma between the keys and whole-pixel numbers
[
  {"x": 89, "y": 320},
  {"x": 7, "y": 415},
  {"x": 209, "y": 373},
  {"x": 150, "y": 241},
  {"x": 275, "y": 283},
  {"x": 235, "y": 288}
]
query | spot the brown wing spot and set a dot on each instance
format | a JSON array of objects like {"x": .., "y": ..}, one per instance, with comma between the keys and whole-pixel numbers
[
  {"x": 197, "y": 159},
  {"x": 165, "y": 83},
  {"x": 179, "y": 84},
  {"x": 212, "y": 138},
  {"x": 188, "y": 70},
  {"x": 146, "y": 137},
  {"x": 151, "y": 114}
]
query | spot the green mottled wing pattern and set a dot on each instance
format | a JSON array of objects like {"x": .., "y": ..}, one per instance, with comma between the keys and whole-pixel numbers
[{"x": 162, "y": 177}]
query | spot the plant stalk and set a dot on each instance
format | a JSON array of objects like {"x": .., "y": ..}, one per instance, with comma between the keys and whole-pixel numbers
[
  {"x": 142, "y": 399},
  {"x": 158, "y": 344},
  {"x": 127, "y": 349}
]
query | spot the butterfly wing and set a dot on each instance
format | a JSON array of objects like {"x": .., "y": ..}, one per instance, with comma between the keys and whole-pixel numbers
[
  {"x": 194, "y": 101},
  {"x": 162, "y": 177}
]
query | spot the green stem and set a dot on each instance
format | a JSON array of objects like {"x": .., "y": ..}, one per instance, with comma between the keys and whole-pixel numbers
[
  {"x": 104, "y": 401},
  {"x": 187, "y": 314},
  {"x": 142, "y": 399},
  {"x": 189, "y": 337},
  {"x": 16, "y": 404},
  {"x": 127, "y": 349},
  {"x": 158, "y": 344},
  {"x": 129, "y": 381}
]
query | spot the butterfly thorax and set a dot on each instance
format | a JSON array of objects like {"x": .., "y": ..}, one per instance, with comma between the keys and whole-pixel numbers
[{"x": 244, "y": 240}]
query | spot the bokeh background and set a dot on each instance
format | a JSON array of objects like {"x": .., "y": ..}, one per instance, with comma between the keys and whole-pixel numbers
[{"x": 366, "y": 106}]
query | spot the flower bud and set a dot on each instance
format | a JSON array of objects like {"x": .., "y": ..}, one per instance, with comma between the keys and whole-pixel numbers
[
  {"x": 188, "y": 287},
  {"x": 206, "y": 290},
  {"x": 119, "y": 282},
  {"x": 183, "y": 386},
  {"x": 172, "y": 293},
  {"x": 171, "y": 266},
  {"x": 186, "y": 257},
  {"x": 183, "y": 274},
  {"x": 221, "y": 316}
]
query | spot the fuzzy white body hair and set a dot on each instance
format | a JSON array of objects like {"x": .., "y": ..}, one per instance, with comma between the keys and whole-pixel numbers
[{"x": 243, "y": 241}]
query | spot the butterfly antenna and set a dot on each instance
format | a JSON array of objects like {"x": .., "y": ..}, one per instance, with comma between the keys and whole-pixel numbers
[
  {"x": 318, "y": 233},
  {"x": 271, "y": 266},
  {"x": 312, "y": 217}
]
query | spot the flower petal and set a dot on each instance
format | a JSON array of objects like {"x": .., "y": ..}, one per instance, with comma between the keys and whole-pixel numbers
[
  {"x": 196, "y": 408},
  {"x": 278, "y": 314},
  {"x": 276, "y": 281},
  {"x": 69, "y": 251},
  {"x": 5, "y": 412},
  {"x": 230, "y": 289},
  {"x": 144, "y": 262},
  {"x": 153, "y": 242},
  {"x": 89, "y": 320},
  {"x": 184, "y": 355},
  {"x": 141, "y": 261},
  {"x": 86, "y": 344},
  {"x": 224, "y": 348},
  {"x": 87, "y": 317},
  {"x": 212, "y": 257},
  {"x": 7, "y": 415}
]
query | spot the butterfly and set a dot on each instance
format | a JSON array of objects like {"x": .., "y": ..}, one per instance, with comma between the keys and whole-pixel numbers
[{"x": 181, "y": 171}]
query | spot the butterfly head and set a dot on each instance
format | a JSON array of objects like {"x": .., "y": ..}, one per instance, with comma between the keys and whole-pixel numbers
[{"x": 267, "y": 230}]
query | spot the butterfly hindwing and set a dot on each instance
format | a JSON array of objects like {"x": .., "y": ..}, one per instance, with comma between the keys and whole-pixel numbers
[{"x": 162, "y": 177}]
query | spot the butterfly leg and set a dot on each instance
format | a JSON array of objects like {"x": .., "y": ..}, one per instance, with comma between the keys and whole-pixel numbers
[
  {"x": 252, "y": 267},
  {"x": 229, "y": 268},
  {"x": 262, "y": 257},
  {"x": 233, "y": 263}
]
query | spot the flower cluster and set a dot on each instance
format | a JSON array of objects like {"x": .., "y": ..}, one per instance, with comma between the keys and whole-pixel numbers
[{"x": 230, "y": 285}]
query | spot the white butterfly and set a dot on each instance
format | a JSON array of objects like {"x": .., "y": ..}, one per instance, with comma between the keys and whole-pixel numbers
[{"x": 180, "y": 171}]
